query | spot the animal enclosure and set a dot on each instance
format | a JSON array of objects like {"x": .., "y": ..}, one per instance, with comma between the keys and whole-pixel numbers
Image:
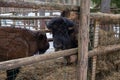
[{"x": 104, "y": 38}]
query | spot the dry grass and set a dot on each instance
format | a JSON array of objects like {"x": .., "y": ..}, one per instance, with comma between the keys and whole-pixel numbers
[
  {"x": 48, "y": 70},
  {"x": 106, "y": 69}
]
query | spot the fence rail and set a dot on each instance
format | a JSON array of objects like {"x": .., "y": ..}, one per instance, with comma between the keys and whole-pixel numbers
[
  {"x": 36, "y": 5},
  {"x": 104, "y": 17},
  {"x": 97, "y": 16},
  {"x": 5, "y": 65},
  {"x": 34, "y": 59},
  {"x": 26, "y": 17}
]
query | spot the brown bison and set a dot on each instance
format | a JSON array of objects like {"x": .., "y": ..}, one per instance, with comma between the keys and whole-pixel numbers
[{"x": 18, "y": 43}]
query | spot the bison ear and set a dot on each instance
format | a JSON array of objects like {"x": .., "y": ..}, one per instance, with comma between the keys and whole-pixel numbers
[{"x": 50, "y": 24}]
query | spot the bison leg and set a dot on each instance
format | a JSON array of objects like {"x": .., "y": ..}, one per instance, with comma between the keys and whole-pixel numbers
[{"x": 11, "y": 74}]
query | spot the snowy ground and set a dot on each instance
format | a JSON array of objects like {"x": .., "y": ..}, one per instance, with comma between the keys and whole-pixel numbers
[{"x": 51, "y": 48}]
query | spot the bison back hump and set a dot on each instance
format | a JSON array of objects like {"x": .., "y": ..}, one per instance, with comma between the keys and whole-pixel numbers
[{"x": 14, "y": 43}]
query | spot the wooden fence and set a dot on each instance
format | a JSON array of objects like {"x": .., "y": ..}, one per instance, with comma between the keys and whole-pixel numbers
[
  {"x": 104, "y": 17},
  {"x": 34, "y": 59},
  {"x": 83, "y": 55},
  {"x": 36, "y": 5}
]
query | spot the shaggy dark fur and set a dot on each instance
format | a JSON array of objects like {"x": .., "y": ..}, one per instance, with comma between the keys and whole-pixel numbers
[{"x": 18, "y": 43}]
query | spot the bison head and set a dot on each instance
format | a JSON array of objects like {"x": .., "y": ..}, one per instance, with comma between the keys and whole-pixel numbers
[{"x": 62, "y": 31}]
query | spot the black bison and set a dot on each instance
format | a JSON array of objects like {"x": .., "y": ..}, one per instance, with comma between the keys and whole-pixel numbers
[
  {"x": 18, "y": 43},
  {"x": 65, "y": 31},
  {"x": 64, "y": 35},
  {"x": 62, "y": 30}
]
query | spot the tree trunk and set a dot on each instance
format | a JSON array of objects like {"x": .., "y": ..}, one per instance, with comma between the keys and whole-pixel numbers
[{"x": 105, "y": 6}]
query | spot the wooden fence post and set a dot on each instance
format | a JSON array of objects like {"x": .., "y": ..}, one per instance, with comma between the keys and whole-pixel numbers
[
  {"x": 94, "y": 58},
  {"x": 83, "y": 38}
]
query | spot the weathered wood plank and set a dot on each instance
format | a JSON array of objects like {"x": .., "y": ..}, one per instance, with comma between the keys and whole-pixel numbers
[
  {"x": 83, "y": 38},
  {"x": 104, "y": 50},
  {"x": 96, "y": 40},
  {"x": 26, "y": 17},
  {"x": 34, "y": 59},
  {"x": 104, "y": 17},
  {"x": 35, "y": 5}
]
